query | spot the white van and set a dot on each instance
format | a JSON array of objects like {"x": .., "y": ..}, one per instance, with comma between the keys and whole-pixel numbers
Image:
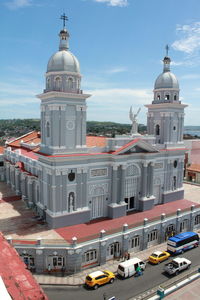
[{"x": 128, "y": 268}]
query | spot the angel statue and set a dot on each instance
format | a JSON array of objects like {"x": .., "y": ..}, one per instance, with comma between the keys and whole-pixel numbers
[{"x": 133, "y": 118}]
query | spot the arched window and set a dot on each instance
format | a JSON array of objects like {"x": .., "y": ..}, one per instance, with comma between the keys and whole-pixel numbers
[
  {"x": 158, "y": 97},
  {"x": 174, "y": 183},
  {"x": 57, "y": 83},
  {"x": 167, "y": 97},
  {"x": 175, "y": 97},
  {"x": 71, "y": 202},
  {"x": 70, "y": 83},
  {"x": 48, "y": 83},
  {"x": 48, "y": 129},
  {"x": 157, "y": 129}
]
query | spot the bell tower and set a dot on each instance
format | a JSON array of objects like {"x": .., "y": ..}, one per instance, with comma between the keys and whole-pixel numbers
[
  {"x": 165, "y": 118},
  {"x": 63, "y": 103}
]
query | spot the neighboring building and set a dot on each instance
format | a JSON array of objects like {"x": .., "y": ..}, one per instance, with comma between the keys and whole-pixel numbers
[
  {"x": 192, "y": 160},
  {"x": 70, "y": 178},
  {"x": 2, "y": 169},
  {"x": 14, "y": 276},
  {"x": 193, "y": 173}
]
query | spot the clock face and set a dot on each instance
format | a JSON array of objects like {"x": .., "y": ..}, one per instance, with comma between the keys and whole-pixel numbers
[{"x": 70, "y": 125}]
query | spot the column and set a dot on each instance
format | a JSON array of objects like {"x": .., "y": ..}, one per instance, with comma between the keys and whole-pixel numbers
[
  {"x": 151, "y": 175},
  {"x": 12, "y": 177},
  {"x": 84, "y": 188},
  {"x": 167, "y": 124},
  {"x": 17, "y": 181},
  {"x": 79, "y": 188},
  {"x": 123, "y": 171},
  {"x": 144, "y": 180},
  {"x": 170, "y": 127},
  {"x": 181, "y": 126},
  {"x": 7, "y": 172},
  {"x": 114, "y": 184},
  {"x": 29, "y": 190},
  {"x": 51, "y": 203}
]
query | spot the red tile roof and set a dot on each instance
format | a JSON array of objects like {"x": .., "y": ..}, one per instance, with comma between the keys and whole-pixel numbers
[
  {"x": 20, "y": 283},
  {"x": 85, "y": 232},
  {"x": 194, "y": 168},
  {"x": 1, "y": 150},
  {"x": 31, "y": 137},
  {"x": 95, "y": 141},
  {"x": 34, "y": 137}
]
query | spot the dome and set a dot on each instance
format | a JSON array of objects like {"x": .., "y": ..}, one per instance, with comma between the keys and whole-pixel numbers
[
  {"x": 166, "y": 80},
  {"x": 63, "y": 60}
]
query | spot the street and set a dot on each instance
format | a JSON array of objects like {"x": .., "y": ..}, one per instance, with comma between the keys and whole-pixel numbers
[{"x": 121, "y": 289}]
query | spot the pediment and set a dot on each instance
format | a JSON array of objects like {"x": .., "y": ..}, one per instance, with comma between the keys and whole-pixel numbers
[{"x": 136, "y": 146}]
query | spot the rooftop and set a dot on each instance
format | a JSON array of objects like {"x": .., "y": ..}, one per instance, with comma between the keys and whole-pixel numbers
[{"x": 18, "y": 280}]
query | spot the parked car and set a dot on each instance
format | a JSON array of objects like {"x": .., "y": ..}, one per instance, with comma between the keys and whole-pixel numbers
[
  {"x": 176, "y": 265},
  {"x": 158, "y": 256},
  {"x": 98, "y": 278},
  {"x": 128, "y": 268}
]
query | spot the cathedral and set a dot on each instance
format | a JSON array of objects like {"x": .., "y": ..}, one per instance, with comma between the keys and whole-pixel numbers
[{"x": 70, "y": 178}]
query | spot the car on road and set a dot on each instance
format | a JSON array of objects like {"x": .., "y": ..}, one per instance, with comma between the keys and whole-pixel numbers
[
  {"x": 177, "y": 265},
  {"x": 98, "y": 278},
  {"x": 158, "y": 256},
  {"x": 129, "y": 267}
]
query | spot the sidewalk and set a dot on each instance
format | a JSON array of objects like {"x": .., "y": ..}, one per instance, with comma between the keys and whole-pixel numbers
[{"x": 79, "y": 278}]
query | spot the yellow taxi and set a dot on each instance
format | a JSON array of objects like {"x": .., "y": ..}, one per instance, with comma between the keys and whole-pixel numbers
[
  {"x": 97, "y": 278},
  {"x": 158, "y": 256}
]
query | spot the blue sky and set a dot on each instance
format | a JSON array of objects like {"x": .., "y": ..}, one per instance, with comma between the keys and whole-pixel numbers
[{"x": 119, "y": 44}]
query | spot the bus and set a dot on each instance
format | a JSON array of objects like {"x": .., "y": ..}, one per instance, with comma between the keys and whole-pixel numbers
[{"x": 182, "y": 242}]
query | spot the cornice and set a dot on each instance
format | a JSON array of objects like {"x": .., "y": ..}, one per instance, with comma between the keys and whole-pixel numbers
[{"x": 54, "y": 94}]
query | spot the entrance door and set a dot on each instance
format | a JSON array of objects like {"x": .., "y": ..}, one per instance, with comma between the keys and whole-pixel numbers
[
  {"x": 97, "y": 207},
  {"x": 29, "y": 261},
  {"x": 157, "y": 194},
  {"x": 55, "y": 262},
  {"x": 113, "y": 250},
  {"x": 184, "y": 226},
  {"x": 130, "y": 203}
]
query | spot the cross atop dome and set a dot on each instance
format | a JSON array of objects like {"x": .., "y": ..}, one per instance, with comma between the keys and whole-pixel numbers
[
  {"x": 64, "y": 18},
  {"x": 166, "y": 60},
  {"x": 64, "y": 34},
  {"x": 167, "y": 49}
]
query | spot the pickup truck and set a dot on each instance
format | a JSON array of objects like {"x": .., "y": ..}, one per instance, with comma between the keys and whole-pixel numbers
[{"x": 177, "y": 265}]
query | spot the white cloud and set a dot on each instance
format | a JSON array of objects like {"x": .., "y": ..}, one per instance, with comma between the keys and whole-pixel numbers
[
  {"x": 120, "y": 3},
  {"x": 116, "y": 70},
  {"x": 15, "y": 4},
  {"x": 189, "y": 41},
  {"x": 114, "y": 104}
]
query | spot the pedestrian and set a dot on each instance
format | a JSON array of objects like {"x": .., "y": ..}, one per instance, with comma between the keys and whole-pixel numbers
[
  {"x": 138, "y": 271},
  {"x": 49, "y": 268},
  {"x": 128, "y": 256},
  {"x": 125, "y": 255}
]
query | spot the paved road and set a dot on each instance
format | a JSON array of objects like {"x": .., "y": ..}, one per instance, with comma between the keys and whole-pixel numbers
[{"x": 121, "y": 289}]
